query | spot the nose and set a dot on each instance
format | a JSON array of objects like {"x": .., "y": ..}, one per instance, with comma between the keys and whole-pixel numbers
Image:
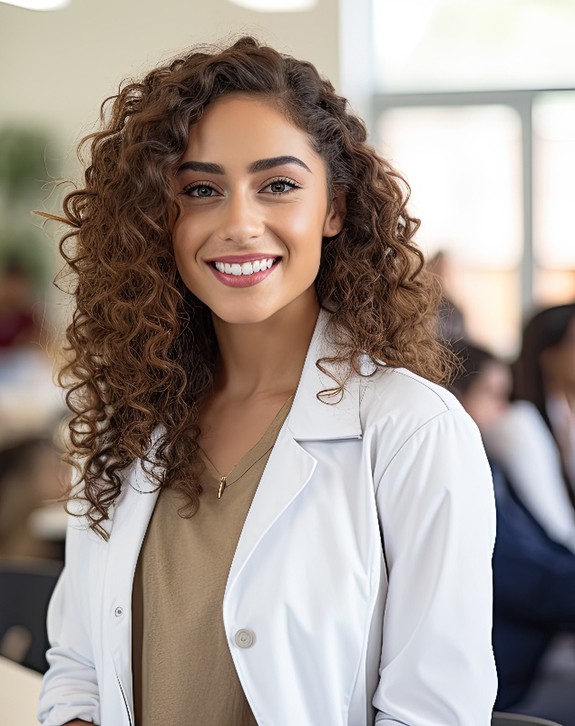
[{"x": 242, "y": 219}]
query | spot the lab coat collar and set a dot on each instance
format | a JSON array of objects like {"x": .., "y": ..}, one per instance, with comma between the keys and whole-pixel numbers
[
  {"x": 290, "y": 467},
  {"x": 335, "y": 417},
  {"x": 310, "y": 418}
]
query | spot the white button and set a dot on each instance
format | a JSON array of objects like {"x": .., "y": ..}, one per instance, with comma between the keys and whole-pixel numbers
[
  {"x": 245, "y": 638},
  {"x": 118, "y": 612}
]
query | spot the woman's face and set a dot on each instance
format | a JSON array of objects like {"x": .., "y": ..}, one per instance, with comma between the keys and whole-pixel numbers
[
  {"x": 488, "y": 396},
  {"x": 255, "y": 208}
]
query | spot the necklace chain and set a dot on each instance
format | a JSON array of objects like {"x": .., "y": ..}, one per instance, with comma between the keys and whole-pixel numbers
[{"x": 224, "y": 478}]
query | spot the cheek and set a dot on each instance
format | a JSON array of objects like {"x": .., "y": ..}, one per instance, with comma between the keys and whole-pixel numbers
[
  {"x": 302, "y": 234},
  {"x": 185, "y": 245}
]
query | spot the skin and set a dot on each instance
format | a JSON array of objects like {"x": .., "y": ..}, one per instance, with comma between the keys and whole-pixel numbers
[
  {"x": 282, "y": 211},
  {"x": 488, "y": 396}
]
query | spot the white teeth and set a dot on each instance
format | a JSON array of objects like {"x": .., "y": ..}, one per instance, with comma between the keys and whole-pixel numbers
[{"x": 246, "y": 268}]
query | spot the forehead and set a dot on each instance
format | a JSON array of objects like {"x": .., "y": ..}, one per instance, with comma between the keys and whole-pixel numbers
[{"x": 244, "y": 126}]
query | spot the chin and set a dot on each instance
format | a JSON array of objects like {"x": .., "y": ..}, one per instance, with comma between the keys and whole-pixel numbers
[{"x": 243, "y": 317}]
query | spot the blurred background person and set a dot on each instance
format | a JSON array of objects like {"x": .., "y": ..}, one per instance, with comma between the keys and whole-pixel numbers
[
  {"x": 18, "y": 325},
  {"x": 534, "y": 576},
  {"x": 534, "y": 441},
  {"x": 451, "y": 320},
  {"x": 32, "y": 477}
]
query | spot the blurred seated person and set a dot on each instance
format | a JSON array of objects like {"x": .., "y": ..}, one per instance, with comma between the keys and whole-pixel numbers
[
  {"x": 534, "y": 576},
  {"x": 534, "y": 441},
  {"x": 31, "y": 475},
  {"x": 451, "y": 320},
  {"x": 17, "y": 321}
]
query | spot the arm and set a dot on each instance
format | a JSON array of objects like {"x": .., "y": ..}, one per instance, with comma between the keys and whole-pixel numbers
[
  {"x": 69, "y": 688},
  {"x": 523, "y": 445},
  {"x": 436, "y": 506}
]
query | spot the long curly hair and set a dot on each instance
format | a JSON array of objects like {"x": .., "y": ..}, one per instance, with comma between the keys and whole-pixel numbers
[{"x": 143, "y": 349}]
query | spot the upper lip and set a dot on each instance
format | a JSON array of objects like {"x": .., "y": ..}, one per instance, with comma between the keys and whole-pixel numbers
[{"x": 238, "y": 259}]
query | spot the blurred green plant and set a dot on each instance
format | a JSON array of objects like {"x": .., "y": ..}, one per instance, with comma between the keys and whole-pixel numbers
[
  {"x": 22, "y": 162},
  {"x": 24, "y": 178}
]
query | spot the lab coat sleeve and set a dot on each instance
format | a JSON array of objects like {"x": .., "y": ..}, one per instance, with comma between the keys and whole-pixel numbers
[
  {"x": 69, "y": 688},
  {"x": 436, "y": 507}
]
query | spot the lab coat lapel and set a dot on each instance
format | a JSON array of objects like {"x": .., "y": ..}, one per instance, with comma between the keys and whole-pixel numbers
[
  {"x": 288, "y": 470},
  {"x": 127, "y": 534},
  {"x": 290, "y": 466}
]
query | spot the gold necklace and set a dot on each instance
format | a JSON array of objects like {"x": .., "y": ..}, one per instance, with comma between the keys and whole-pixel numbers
[{"x": 224, "y": 483}]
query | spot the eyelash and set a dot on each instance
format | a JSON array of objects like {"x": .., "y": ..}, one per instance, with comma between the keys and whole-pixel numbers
[
  {"x": 188, "y": 190},
  {"x": 197, "y": 185},
  {"x": 283, "y": 180}
]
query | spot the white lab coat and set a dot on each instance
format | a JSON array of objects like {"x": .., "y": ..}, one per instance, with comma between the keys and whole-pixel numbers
[{"x": 317, "y": 635}]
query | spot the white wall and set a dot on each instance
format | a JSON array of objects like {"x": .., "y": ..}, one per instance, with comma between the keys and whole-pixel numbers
[{"x": 57, "y": 67}]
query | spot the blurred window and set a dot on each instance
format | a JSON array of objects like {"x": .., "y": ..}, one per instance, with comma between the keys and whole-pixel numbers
[
  {"x": 553, "y": 164},
  {"x": 455, "y": 45},
  {"x": 464, "y": 167},
  {"x": 474, "y": 103}
]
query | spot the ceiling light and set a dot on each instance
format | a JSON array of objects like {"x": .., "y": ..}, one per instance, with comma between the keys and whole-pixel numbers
[
  {"x": 37, "y": 4},
  {"x": 276, "y": 6}
]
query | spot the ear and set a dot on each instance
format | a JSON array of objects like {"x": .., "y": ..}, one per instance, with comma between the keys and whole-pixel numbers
[{"x": 336, "y": 216}]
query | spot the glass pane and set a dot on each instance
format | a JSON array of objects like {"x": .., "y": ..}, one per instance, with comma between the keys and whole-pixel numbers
[
  {"x": 464, "y": 168},
  {"x": 434, "y": 45},
  {"x": 554, "y": 165}
]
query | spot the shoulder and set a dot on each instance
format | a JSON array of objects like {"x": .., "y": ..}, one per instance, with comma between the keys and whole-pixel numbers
[
  {"x": 520, "y": 431},
  {"x": 403, "y": 412},
  {"x": 401, "y": 395},
  {"x": 522, "y": 421}
]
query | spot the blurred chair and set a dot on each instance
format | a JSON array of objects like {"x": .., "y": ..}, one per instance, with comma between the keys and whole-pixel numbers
[
  {"x": 517, "y": 719},
  {"x": 19, "y": 694},
  {"x": 25, "y": 590}
]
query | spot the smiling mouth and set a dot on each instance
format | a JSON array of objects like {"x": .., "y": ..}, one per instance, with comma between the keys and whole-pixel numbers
[{"x": 245, "y": 268}]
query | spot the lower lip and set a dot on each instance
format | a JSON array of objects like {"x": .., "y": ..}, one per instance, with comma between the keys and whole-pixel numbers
[{"x": 243, "y": 280}]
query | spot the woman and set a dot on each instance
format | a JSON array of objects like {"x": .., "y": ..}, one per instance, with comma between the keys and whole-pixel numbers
[
  {"x": 535, "y": 441},
  {"x": 533, "y": 576},
  {"x": 256, "y": 461}
]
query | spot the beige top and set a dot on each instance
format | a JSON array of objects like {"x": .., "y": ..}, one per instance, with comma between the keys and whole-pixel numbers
[{"x": 183, "y": 670}]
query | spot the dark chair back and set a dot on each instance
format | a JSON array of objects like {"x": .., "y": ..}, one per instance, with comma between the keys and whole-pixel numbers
[
  {"x": 25, "y": 590},
  {"x": 518, "y": 719}
]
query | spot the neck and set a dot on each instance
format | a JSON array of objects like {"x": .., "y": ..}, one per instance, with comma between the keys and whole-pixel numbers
[{"x": 264, "y": 358}]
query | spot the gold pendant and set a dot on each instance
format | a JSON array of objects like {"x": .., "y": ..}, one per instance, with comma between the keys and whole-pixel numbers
[{"x": 221, "y": 487}]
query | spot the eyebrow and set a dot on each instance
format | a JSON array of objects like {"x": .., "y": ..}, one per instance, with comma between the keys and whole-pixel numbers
[{"x": 261, "y": 165}]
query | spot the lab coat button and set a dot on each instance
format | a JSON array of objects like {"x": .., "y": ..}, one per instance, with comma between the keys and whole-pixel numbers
[
  {"x": 245, "y": 638},
  {"x": 118, "y": 612}
]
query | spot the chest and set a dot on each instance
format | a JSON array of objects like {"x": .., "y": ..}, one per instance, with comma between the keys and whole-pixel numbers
[{"x": 231, "y": 428}]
